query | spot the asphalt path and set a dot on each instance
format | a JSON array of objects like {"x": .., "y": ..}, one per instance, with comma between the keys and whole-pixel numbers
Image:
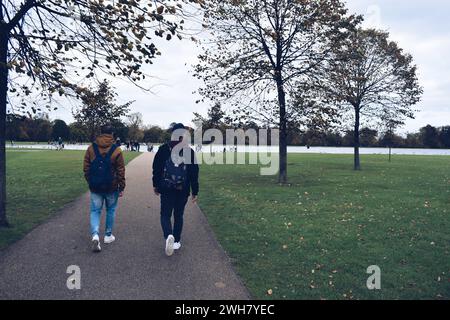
[{"x": 133, "y": 267}]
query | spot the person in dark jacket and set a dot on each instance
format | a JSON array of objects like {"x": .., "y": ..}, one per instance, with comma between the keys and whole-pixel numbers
[
  {"x": 173, "y": 200},
  {"x": 105, "y": 142}
]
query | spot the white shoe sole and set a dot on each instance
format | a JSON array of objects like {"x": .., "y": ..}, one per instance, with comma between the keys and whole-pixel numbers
[
  {"x": 108, "y": 241},
  {"x": 169, "y": 245},
  {"x": 96, "y": 246}
]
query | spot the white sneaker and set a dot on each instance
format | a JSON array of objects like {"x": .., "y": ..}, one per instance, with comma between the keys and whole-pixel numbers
[
  {"x": 176, "y": 245},
  {"x": 96, "y": 244},
  {"x": 109, "y": 239},
  {"x": 169, "y": 245}
]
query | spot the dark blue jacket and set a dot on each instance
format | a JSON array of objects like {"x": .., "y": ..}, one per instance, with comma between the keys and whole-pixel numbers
[{"x": 159, "y": 162}]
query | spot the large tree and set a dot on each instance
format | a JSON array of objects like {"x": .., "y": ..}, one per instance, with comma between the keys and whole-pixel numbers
[
  {"x": 371, "y": 76},
  {"x": 13, "y": 127},
  {"x": 259, "y": 50},
  {"x": 444, "y": 137},
  {"x": 78, "y": 133},
  {"x": 120, "y": 130},
  {"x": 60, "y": 130},
  {"x": 58, "y": 44},
  {"x": 429, "y": 136},
  {"x": 368, "y": 137},
  {"x": 37, "y": 128},
  {"x": 135, "y": 125},
  {"x": 99, "y": 108},
  {"x": 155, "y": 134},
  {"x": 214, "y": 119}
]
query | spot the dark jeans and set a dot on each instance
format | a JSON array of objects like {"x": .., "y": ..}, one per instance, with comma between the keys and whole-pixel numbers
[{"x": 173, "y": 203}]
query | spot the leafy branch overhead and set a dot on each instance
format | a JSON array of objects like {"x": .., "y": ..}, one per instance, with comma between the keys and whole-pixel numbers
[
  {"x": 53, "y": 48},
  {"x": 60, "y": 44}
]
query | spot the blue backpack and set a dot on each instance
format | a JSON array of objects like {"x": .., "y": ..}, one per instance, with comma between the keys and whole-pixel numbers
[
  {"x": 174, "y": 175},
  {"x": 100, "y": 171}
]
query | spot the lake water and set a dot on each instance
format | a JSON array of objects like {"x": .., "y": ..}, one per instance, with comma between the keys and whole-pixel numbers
[{"x": 293, "y": 149}]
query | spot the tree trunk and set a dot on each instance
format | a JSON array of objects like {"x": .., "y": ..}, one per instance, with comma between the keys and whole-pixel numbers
[
  {"x": 282, "y": 175},
  {"x": 390, "y": 153},
  {"x": 357, "y": 162},
  {"x": 3, "y": 99}
]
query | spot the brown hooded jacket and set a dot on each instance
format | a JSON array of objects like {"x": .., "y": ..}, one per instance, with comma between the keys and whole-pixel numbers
[{"x": 104, "y": 142}]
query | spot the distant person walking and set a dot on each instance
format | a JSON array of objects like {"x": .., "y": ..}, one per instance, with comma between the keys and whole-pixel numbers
[
  {"x": 174, "y": 177},
  {"x": 104, "y": 170},
  {"x": 60, "y": 144}
]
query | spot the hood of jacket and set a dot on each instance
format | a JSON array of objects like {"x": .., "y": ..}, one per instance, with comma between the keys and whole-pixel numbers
[{"x": 104, "y": 141}]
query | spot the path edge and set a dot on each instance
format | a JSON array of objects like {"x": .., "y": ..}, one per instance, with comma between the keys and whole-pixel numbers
[{"x": 223, "y": 252}]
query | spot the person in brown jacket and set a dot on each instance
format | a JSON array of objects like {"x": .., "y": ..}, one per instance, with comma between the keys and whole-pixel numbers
[{"x": 104, "y": 170}]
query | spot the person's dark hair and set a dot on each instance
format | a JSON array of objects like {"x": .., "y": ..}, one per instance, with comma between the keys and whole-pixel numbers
[
  {"x": 107, "y": 130},
  {"x": 177, "y": 126}
]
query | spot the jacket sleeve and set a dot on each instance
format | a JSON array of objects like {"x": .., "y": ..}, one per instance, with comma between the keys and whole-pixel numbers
[
  {"x": 193, "y": 175},
  {"x": 120, "y": 169},
  {"x": 87, "y": 163},
  {"x": 157, "y": 167}
]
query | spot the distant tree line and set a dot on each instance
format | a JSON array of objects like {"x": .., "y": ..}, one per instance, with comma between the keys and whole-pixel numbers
[
  {"x": 42, "y": 129},
  {"x": 426, "y": 137},
  {"x": 98, "y": 108},
  {"x": 333, "y": 136}
]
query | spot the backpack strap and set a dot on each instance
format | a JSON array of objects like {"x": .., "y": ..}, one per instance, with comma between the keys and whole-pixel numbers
[
  {"x": 111, "y": 151},
  {"x": 96, "y": 150},
  {"x": 108, "y": 155}
]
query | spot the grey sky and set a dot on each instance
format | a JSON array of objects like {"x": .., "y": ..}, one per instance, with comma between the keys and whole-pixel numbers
[{"x": 422, "y": 28}]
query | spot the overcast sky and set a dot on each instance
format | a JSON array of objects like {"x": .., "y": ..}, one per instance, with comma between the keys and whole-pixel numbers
[{"x": 421, "y": 27}]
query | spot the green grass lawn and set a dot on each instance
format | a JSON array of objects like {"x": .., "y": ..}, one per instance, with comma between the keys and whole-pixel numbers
[
  {"x": 315, "y": 238},
  {"x": 38, "y": 184}
]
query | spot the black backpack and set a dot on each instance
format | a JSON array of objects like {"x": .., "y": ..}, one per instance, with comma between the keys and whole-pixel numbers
[
  {"x": 100, "y": 171},
  {"x": 174, "y": 175}
]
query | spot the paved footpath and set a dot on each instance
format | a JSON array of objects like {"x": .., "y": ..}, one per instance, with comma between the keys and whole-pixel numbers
[{"x": 133, "y": 267}]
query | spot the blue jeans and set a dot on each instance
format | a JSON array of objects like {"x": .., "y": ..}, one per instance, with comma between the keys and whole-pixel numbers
[{"x": 97, "y": 200}]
